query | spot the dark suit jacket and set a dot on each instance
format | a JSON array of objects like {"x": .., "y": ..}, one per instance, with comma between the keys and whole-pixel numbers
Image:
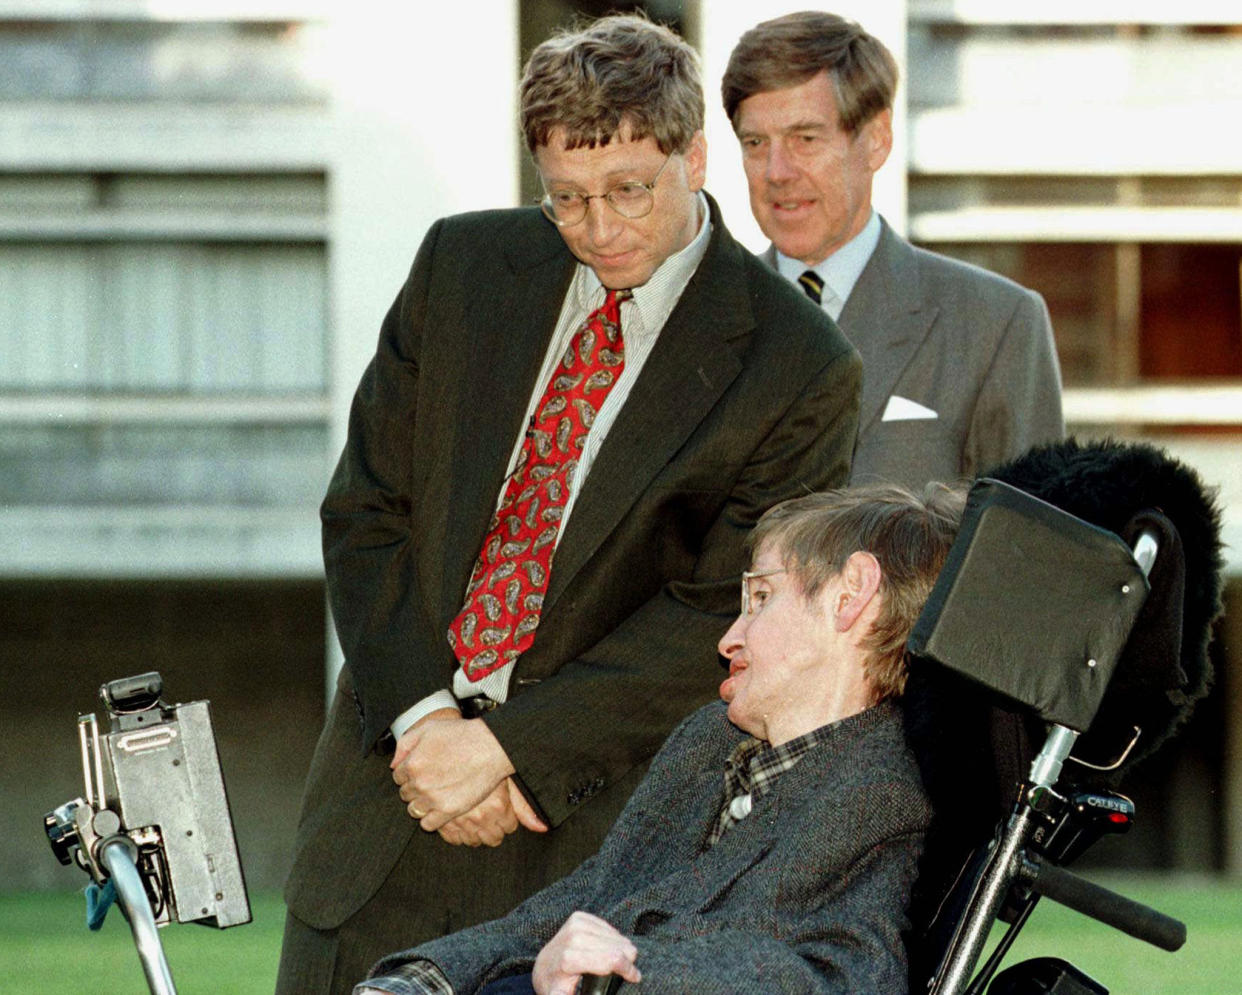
[
  {"x": 807, "y": 894},
  {"x": 967, "y": 344},
  {"x": 748, "y": 397}
]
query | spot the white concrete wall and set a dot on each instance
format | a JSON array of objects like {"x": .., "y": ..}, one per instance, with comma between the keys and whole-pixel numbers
[
  {"x": 425, "y": 126},
  {"x": 424, "y": 112}
]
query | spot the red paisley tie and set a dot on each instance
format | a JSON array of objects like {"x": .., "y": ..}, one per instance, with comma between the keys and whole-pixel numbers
[{"x": 505, "y": 595}]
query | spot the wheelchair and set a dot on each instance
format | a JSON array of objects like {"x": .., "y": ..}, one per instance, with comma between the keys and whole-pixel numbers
[{"x": 1064, "y": 642}]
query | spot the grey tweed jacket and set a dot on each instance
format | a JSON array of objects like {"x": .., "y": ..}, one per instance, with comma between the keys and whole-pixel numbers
[{"x": 807, "y": 894}]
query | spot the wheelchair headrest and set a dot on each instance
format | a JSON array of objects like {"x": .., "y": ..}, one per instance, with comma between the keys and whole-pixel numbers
[
  {"x": 1164, "y": 667},
  {"x": 1032, "y": 603},
  {"x": 1123, "y": 487}
]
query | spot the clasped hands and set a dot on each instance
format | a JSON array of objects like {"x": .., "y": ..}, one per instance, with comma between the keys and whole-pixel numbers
[{"x": 455, "y": 779}]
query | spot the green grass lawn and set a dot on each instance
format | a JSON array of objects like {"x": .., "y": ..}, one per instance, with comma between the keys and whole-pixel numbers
[
  {"x": 1209, "y": 964},
  {"x": 44, "y": 946}
]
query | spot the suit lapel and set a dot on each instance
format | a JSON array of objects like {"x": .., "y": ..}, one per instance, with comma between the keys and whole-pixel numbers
[
  {"x": 689, "y": 368},
  {"x": 887, "y": 320},
  {"x": 511, "y": 330}
]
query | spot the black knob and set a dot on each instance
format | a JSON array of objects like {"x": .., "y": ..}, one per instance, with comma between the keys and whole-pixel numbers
[
  {"x": 594, "y": 984},
  {"x": 132, "y": 694}
]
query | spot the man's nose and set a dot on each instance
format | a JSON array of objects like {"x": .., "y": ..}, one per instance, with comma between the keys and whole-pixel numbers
[
  {"x": 780, "y": 166},
  {"x": 602, "y": 221},
  {"x": 732, "y": 640}
]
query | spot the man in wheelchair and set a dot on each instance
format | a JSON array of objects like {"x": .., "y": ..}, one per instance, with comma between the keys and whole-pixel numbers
[{"x": 774, "y": 842}]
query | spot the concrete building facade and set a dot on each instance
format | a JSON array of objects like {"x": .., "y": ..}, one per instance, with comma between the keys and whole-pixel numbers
[{"x": 206, "y": 207}]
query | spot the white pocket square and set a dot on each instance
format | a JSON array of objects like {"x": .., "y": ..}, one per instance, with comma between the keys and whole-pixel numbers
[{"x": 904, "y": 409}]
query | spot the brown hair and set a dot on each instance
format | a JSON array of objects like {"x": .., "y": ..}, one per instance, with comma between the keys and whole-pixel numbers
[
  {"x": 621, "y": 69},
  {"x": 908, "y": 535},
  {"x": 787, "y": 51}
]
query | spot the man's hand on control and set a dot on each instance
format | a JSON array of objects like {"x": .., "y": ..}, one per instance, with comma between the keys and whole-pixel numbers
[{"x": 586, "y": 944}]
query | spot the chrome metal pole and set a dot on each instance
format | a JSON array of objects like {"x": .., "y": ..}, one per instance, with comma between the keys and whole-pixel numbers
[
  {"x": 1046, "y": 768},
  {"x": 115, "y": 855}
]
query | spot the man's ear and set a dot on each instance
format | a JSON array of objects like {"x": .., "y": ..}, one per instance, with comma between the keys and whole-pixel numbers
[
  {"x": 878, "y": 134},
  {"x": 860, "y": 584},
  {"x": 696, "y": 162}
]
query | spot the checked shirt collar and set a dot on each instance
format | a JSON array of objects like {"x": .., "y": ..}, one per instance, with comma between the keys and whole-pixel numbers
[{"x": 752, "y": 770}]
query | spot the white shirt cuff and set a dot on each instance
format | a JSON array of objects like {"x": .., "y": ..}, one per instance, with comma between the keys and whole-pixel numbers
[{"x": 440, "y": 699}]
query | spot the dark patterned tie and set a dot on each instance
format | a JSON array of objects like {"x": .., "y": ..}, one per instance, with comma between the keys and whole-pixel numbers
[
  {"x": 738, "y": 785},
  {"x": 505, "y": 595},
  {"x": 811, "y": 282}
]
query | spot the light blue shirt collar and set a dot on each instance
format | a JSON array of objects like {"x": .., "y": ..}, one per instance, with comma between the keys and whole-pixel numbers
[{"x": 841, "y": 270}]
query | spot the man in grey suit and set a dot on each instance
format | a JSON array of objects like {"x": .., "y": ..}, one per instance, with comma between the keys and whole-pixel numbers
[
  {"x": 612, "y": 381},
  {"x": 959, "y": 365},
  {"x": 793, "y": 874}
]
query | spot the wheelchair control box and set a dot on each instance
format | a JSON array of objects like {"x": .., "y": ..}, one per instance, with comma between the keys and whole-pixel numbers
[{"x": 155, "y": 778}]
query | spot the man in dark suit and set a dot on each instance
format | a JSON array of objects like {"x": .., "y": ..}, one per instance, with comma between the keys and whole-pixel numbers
[
  {"x": 614, "y": 380},
  {"x": 959, "y": 365},
  {"x": 794, "y": 875}
]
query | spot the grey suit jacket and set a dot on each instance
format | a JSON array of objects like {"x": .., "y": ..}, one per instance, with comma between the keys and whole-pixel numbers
[
  {"x": 971, "y": 346},
  {"x": 748, "y": 397},
  {"x": 807, "y": 894}
]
